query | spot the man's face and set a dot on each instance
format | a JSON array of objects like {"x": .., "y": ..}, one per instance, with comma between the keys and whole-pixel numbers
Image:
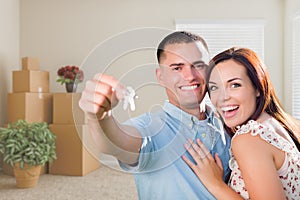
[{"x": 182, "y": 73}]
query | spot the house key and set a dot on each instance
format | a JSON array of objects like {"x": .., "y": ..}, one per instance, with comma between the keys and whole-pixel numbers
[{"x": 129, "y": 98}]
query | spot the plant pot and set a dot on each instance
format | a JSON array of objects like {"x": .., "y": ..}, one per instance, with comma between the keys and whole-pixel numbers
[
  {"x": 28, "y": 176},
  {"x": 71, "y": 87}
]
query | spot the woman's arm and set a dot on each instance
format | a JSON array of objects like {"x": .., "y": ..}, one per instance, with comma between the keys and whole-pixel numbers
[{"x": 255, "y": 158}]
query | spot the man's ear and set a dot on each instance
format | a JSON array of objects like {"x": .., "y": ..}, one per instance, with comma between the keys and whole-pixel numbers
[{"x": 159, "y": 76}]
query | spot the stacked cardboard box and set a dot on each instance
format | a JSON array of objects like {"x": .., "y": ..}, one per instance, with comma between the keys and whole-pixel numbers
[
  {"x": 76, "y": 151},
  {"x": 30, "y": 99}
]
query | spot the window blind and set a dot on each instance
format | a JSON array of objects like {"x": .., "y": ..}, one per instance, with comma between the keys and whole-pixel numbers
[
  {"x": 296, "y": 68},
  {"x": 223, "y": 34}
]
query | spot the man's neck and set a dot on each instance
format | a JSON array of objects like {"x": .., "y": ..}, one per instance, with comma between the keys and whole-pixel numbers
[{"x": 196, "y": 112}]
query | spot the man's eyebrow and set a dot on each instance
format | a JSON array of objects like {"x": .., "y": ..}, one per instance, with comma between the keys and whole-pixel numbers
[
  {"x": 180, "y": 64},
  {"x": 199, "y": 62},
  {"x": 176, "y": 64}
]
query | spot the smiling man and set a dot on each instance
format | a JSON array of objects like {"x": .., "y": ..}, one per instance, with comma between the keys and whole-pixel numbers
[{"x": 151, "y": 145}]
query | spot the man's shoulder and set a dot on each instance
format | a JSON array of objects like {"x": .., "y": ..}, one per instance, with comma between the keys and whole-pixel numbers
[{"x": 148, "y": 117}]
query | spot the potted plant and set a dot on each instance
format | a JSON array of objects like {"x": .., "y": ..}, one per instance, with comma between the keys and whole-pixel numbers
[
  {"x": 70, "y": 76},
  {"x": 27, "y": 146}
]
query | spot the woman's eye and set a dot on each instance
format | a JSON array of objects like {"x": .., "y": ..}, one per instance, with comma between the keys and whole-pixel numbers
[{"x": 235, "y": 85}]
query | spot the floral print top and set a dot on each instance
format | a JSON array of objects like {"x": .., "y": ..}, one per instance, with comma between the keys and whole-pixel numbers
[{"x": 289, "y": 173}]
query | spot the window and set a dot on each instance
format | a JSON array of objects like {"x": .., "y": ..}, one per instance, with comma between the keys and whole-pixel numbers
[
  {"x": 296, "y": 68},
  {"x": 223, "y": 34}
]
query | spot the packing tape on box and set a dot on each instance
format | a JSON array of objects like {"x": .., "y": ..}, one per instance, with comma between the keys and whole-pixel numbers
[{"x": 40, "y": 90}]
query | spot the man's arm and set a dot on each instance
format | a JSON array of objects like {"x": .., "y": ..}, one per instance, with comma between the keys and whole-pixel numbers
[{"x": 100, "y": 96}]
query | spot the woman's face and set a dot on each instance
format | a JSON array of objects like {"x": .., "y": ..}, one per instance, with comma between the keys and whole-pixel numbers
[{"x": 232, "y": 92}]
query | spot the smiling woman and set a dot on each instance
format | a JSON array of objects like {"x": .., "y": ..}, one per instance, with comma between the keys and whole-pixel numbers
[{"x": 265, "y": 160}]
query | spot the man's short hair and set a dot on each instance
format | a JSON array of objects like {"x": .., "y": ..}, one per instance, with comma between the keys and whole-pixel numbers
[{"x": 177, "y": 38}]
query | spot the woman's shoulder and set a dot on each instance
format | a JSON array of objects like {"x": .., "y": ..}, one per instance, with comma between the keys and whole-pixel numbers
[
  {"x": 267, "y": 131},
  {"x": 251, "y": 127},
  {"x": 248, "y": 135}
]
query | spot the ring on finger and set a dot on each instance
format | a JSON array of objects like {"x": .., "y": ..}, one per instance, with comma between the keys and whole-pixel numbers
[{"x": 202, "y": 155}]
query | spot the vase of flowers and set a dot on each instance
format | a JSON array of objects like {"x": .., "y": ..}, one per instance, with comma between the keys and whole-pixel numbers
[{"x": 70, "y": 76}]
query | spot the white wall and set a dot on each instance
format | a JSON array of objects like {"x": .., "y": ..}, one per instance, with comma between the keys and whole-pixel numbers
[
  {"x": 63, "y": 32},
  {"x": 9, "y": 49},
  {"x": 292, "y": 9}
]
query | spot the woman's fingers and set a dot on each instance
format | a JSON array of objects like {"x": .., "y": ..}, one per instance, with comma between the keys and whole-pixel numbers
[
  {"x": 219, "y": 161},
  {"x": 195, "y": 151},
  {"x": 189, "y": 163},
  {"x": 192, "y": 149},
  {"x": 200, "y": 153},
  {"x": 204, "y": 149}
]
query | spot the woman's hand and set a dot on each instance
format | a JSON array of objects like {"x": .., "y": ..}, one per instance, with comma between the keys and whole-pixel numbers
[{"x": 208, "y": 169}]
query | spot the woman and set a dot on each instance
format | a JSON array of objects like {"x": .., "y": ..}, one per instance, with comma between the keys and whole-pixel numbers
[{"x": 265, "y": 159}]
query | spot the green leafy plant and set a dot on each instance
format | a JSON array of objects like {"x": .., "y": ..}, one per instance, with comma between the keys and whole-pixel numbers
[{"x": 31, "y": 143}]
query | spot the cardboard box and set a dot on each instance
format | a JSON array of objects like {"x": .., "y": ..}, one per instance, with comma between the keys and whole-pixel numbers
[
  {"x": 66, "y": 109},
  {"x": 32, "y": 107},
  {"x": 76, "y": 151},
  {"x": 30, "y": 81},
  {"x": 29, "y": 63}
]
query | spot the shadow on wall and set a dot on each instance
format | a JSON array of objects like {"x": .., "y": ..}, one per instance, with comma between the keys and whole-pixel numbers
[
  {"x": 3, "y": 94},
  {"x": 3, "y": 90}
]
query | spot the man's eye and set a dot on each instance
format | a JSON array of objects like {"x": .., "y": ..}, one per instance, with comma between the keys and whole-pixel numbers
[
  {"x": 200, "y": 66},
  {"x": 212, "y": 88},
  {"x": 176, "y": 68}
]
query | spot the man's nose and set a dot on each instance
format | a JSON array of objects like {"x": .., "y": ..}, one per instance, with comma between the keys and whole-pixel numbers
[{"x": 188, "y": 73}]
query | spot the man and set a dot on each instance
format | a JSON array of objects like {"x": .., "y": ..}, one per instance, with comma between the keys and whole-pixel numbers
[{"x": 152, "y": 144}]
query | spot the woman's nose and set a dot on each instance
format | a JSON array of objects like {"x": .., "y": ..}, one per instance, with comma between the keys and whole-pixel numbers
[{"x": 225, "y": 94}]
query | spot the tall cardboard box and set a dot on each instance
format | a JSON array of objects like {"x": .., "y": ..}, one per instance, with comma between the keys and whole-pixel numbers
[
  {"x": 76, "y": 151},
  {"x": 29, "y": 63},
  {"x": 31, "y": 81},
  {"x": 66, "y": 109},
  {"x": 32, "y": 107}
]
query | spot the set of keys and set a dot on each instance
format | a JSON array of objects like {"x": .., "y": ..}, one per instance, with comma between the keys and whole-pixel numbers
[{"x": 129, "y": 99}]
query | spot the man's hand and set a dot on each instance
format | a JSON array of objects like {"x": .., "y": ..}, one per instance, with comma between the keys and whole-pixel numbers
[{"x": 100, "y": 95}]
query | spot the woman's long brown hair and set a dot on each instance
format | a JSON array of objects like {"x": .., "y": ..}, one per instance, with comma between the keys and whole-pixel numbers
[{"x": 267, "y": 100}]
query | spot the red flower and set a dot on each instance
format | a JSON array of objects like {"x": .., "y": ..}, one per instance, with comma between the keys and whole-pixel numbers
[{"x": 70, "y": 74}]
